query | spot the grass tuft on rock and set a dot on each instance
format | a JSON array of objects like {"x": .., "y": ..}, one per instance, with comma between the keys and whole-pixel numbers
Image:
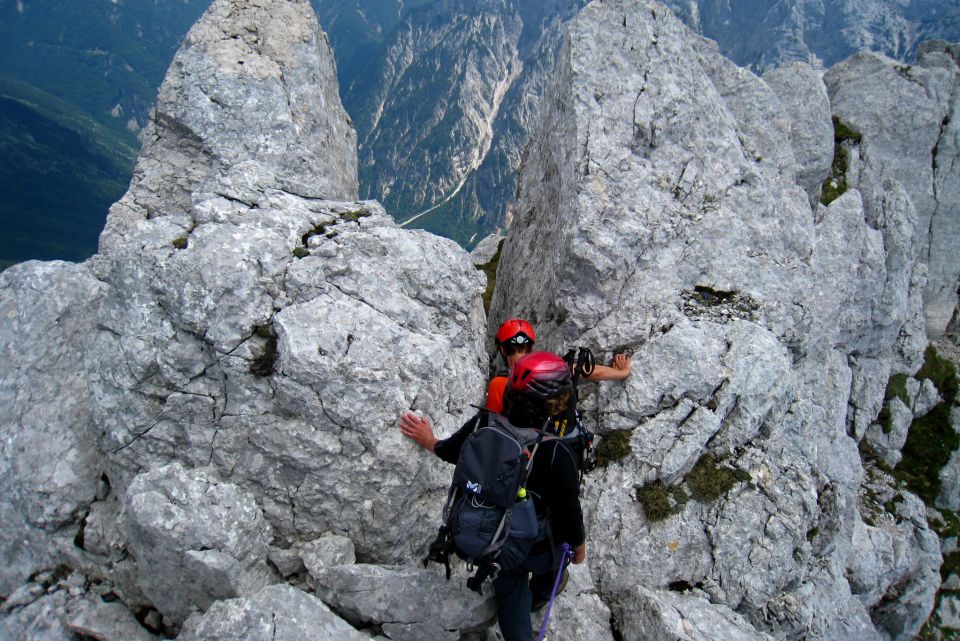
[
  {"x": 709, "y": 480},
  {"x": 931, "y": 439},
  {"x": 490, "y": 270},
  {"x": 614, "y": 447},
  {"x": 836, "y": 185},
  {"x": 661, "y": 502}
]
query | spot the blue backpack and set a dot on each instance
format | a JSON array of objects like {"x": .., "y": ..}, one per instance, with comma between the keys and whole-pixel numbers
[{"x": 488, "y": 520}]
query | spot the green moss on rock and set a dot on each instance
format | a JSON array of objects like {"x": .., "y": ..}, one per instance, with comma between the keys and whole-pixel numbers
[
  {"x": 709, "y": 480},
  {"x": 490, "y": 270},
  {"x": 661, "y": 502},
  {"x": 931, "y": 439},
  {"x": 836, "y": 185},
  {"x": 614, "y": 447}
]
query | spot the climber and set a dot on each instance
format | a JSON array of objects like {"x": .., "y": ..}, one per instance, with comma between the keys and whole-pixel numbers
[
  {"x": 516, "y": 337},
  {"x": 539, "y": 387}
]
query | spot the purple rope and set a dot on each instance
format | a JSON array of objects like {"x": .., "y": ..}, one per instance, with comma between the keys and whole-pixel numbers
[{"x": 567, "y": 556}]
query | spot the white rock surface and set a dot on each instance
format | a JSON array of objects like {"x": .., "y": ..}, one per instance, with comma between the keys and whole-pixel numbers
[
  {"x": 196, "y": 540},
  {"x": 277, "y": 613},
  {"x": 409, "y": 604},
  {"x": 667, "y": 202},
  {"x": 48, "y": 454}
]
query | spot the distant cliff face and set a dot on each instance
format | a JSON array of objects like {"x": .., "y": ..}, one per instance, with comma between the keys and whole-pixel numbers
[
  {"x": 449, "y": 99},
  {"x": 762, "y": 36},
  {"x": 445, "y": 108}
]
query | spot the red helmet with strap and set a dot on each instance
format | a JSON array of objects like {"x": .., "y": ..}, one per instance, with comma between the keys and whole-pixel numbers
[
  {"x": 540, "y": 374},
  {"x": 516, "y": 331}
]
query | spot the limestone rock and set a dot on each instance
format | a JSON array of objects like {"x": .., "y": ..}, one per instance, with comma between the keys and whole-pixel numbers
[
  {"x": 902, "y": 113},
  {"x": 196, "y": 540},
  {"x": 665, "y": 616},
  {"x": 49, "y": 462},
  {"x": 410, "y": 604},
  {"x": 949, "y": 498},
  {"x": 889, "y": 440},
  {"x": 327, "y": 551},
  {"x": 250, "y": 102},
  {"x": 104, "y": 621},
  {"x": 42, "y": 620},
  {"x": 276, "y": 613},
  {"x": 804, "y": 98},
  {"x": 486, "y": 249},
  {"x": 251, "y": 326},
  {"x": 661, "y": 200},
  {"x": 579, "y": 612}
]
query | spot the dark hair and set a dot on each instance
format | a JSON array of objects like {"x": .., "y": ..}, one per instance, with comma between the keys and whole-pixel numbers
[
  {"x": 513, "y": 348},
  {"x": 524, "y": 410}
]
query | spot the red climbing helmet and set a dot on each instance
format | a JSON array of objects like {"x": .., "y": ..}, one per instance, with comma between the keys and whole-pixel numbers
[
  {"x": 516, "y": 331},
  {"x": 540, "y": 374}
]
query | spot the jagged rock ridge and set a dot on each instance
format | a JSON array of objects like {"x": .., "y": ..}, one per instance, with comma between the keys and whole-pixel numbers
[
  {"x": 199, "y": 423},
  {"x": 667, "y": 198}
]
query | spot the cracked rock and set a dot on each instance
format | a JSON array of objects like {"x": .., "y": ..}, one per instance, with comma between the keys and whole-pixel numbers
[
  {"x": 410, "y": 604},
  {"x": 196, "y": 539}
]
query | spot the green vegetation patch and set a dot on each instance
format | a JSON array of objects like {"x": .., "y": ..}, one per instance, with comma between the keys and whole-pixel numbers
[
  {"x": 490, "y": 270},
  {"x": 709, "y": 480},
  {"x": 661, "y": 502},
  {"x": 941, "y": 372},
  {"x": 896, "y": 388},
  {"x": 931, "y": 439},
  {"x": 355, "y": 215},
  {"x": 836, "y": 185},
  {"x": 613, "y": 447}
]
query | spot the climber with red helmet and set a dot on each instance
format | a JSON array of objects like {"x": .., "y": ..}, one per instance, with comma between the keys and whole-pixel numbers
[
  {"x": 538, "y": 388},
  {"x": 516, "y": 337},
  {"x": 513, "y": 339}
]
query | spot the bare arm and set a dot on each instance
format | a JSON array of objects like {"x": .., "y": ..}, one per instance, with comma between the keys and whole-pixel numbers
[
  {"x": 419, "y": 430},
  {"x": 617, "y": 372}
]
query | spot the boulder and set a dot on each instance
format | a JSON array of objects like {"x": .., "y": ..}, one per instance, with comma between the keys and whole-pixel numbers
[
  {"x": 49, "y": 460},
  {"x": 667, "y": 616},
  {"x": 409, "y": 604},
  {"x": 276, "y": 613},
  {"x": 197, "y": 540}
]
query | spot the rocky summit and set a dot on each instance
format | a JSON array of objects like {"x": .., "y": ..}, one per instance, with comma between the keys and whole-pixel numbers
[{"x": 199, "y": 424}]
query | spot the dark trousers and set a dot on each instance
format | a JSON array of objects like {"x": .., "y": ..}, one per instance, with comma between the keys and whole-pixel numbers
[{"x": 517, "y": 589}]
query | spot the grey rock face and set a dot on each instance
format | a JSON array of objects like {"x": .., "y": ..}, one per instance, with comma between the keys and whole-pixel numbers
[
  {"x": 804, "y": 98},
  {"x": 241, "y": 348},
  {"x": 902, "y": 113},
  {"x": 196, "y": 540},
  {"x": 667, "y": 204},
  {"x": 277, "y": 613},
  {"x": 250, "y": 102},
  {"x": 486, "y": 249},
  {"x": 48, "y": 454},
  {"x": 663, "y": 616},
  {"x": 410, "y": 604}
]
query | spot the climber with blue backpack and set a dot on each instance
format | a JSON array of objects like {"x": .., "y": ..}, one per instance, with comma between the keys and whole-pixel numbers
[{"x": 515, "y": 497}]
